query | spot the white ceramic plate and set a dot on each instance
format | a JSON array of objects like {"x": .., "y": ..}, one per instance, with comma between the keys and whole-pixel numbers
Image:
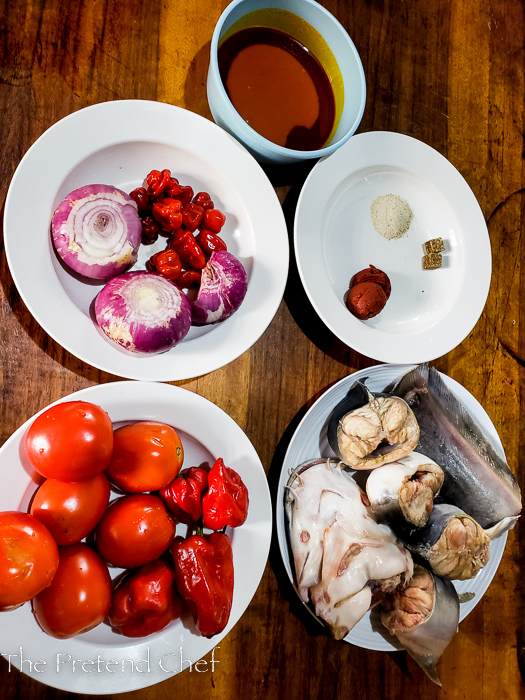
[
  {"x": 118, "y": 143},
  {"x": 207, "y": 433},
  {"x": 309, "y": 442},
  {"x": 429, "y": 311}
]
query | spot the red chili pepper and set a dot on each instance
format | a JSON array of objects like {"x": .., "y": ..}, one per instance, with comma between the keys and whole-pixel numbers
[
  {"x": 226, "y": 503},
  {"x": 204, "y": 576},
  {"x": 168, "y": 263},
  {"x": 203, "y": 200},
  {"x": 157, "y": 182},
  {"x": 213, "y": 220},
  {"x": 150, "y": 230},
  {"x": 173, "y": 188},
  {"x": 183, "y": 497},
  {"x": 209, "y": 241},
  {"x": 186, "y": 246},
  {"x": 186, "y": 194},
  {"x": 145, "y": 601},
  {"x": 192, "y": 216},
  {"x": 188, "y": 279},
  {"x": 142, "y": 199},
  {"x": 167, "y": 212}
]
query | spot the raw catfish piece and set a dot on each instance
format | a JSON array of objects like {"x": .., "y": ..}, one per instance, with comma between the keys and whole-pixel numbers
[
  {"x": 366, "y": 430},
  {"x": 424, "y": 617},
  {"x": 477, "y": 479},
  {"x": 404, "y": 489},
  {"x": 453, "y": 543},
  {"x": 341, "y": 554}
]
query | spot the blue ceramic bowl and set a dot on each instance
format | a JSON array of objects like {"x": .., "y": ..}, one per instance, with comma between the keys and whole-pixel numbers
[{"x": 325, "y": 37}]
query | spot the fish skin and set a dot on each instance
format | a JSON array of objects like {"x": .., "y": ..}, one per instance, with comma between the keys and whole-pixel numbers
[
  {"x": 477, "y": 479},
  {"x": 427, "y": 641}
]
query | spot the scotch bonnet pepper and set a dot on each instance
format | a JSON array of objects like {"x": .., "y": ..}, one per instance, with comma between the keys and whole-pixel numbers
[
  {"x": 226, "y": 502},
  {"x": 145, "y": 601},
  {"x": 204, "y": 577},
  {"x": 183, "y": 497}
]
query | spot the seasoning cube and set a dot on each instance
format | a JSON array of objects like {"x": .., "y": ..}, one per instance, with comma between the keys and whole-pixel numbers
[
  {"x": 435, "y": 245},
  {"x": 432, "y": 261}
]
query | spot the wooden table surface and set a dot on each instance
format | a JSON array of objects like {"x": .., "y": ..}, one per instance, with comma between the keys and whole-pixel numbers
[{"x": 448, "y": 72}]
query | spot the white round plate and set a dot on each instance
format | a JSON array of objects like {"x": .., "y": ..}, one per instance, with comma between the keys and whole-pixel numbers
[
  {"x": 108, "y": 662},
  {"x": 119, "y": 143},
  {"x": 429, "y": 311},
  {"x": 309, "y": 442}
]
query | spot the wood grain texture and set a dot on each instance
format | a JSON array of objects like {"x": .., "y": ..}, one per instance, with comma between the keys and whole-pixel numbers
[{"x": 448, "y": 72}]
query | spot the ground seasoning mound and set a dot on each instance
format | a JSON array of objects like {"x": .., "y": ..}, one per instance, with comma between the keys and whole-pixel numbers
[{"x": 391, "y": 215}]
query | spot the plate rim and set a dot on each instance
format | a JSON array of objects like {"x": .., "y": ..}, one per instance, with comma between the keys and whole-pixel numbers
[
  {"x": 396, "y": 148},
  {"x": 162, "y": 642},
  {"x": 121, "y": 121}
]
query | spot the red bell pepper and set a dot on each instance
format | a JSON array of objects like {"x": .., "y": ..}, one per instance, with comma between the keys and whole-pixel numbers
[
  {"x": 186, "y": 246},
  {"x": 183, "y": 497},
  {"x": 213, "y": 220},
  {"x": 226, "y": 502},
  {"x": 192, "y": 216},
  {"x": 188, "y": 279},
  {"x": 167, "y": 212},
  {"x": 173, "y": 188},
  {"x": 145, "y": 601},
  {"x": 203, "y": 200},
  {"x": 204, "y": 576},
  {"x": 150, "y": 230},
  {"x": 142, "y": 200},
  {"x": 184, "y": 193},
  {"x": 157, "y": 182},
  {"x": 209, "y": 241},
  {"x": 167, "y": 263}
]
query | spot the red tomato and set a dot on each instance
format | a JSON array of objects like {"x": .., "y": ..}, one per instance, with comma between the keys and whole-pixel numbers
[
  {"x": 28, "y": 558},
  {"x": 70, "y": 441},
  {"x": 134, "y": 530},
  {"x": 70, "y": 510},
  {"x": 146, "y": 457},
  {"x": 79, "y": 596}
]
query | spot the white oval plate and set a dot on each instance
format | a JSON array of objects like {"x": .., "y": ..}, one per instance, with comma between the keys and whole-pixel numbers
[
  {"x": 207, "y": 433},
  {"x": 309, "y": 442},
  {"x": 429, "y": 311},
  {"x": 118, "y": 143}
]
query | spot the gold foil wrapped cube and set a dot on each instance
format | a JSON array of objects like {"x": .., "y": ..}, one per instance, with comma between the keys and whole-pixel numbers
[
  {"x": 435, "y": 245},
  {"x": 432, "y": 261}
]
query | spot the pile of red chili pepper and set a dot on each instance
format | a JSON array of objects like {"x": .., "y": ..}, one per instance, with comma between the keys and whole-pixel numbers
[{"x": 189, "y": 221}]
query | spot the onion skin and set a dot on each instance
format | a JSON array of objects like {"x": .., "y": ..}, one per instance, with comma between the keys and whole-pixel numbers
[
  {"x": 143, "y": 312},
  {"x": 223, "y": 288},
  {"x": 97, "y": 231}
]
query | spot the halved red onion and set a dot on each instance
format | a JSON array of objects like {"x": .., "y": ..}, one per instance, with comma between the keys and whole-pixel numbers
[
  {"x": 143, "y": 312},
  {"x": 97, "y": 231},
  {"x": 222, "y": 290}
]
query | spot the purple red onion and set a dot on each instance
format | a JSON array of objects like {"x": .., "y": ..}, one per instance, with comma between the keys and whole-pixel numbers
[
  {"x": 97, "y": 231},
  {"x": 143, "y": 312},
  {"x": 223, "y": 288}
]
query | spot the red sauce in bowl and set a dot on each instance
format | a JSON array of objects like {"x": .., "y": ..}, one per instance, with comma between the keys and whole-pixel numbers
[{"x": 278, "y": 87}]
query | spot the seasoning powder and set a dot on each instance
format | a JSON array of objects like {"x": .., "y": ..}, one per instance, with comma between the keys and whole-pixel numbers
[{"x": 391, "y": 215}]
